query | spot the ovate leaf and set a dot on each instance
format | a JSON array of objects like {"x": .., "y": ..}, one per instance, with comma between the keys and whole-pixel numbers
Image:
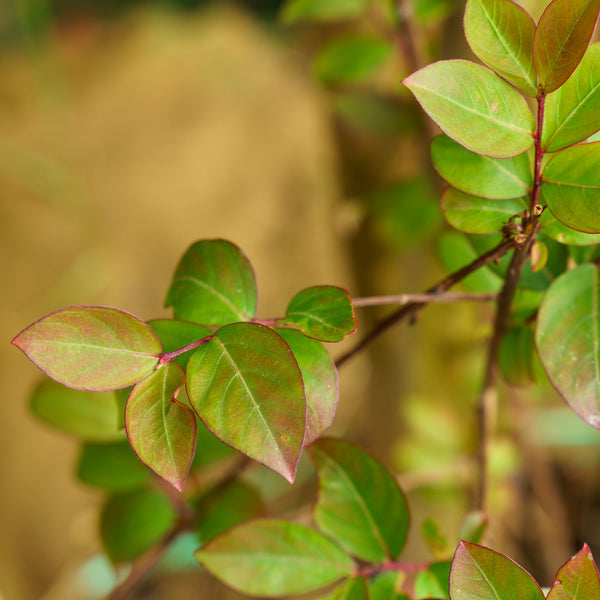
[
  {"x": 561, "y": 38},
  {"x": 568, "y": 338},
  {"x": 500, "y": 33},
  {"x": 565, "y": 235},
  {"x": 577, "y": 579},
  {"x": 247, "y": 388},
  {"x": 94, "y": 348},
  {"x": 161, "y": 430},
  {"x": 274, "y": 558},
  {"x": 213, "y": 284},
  {"x": 317, "y": 10},
  {"x": 479, "y": 573},
  {"x": 351, "y": 589},
  {"x": 360, "y": 504},
  {"x": 475, "y": 107}
]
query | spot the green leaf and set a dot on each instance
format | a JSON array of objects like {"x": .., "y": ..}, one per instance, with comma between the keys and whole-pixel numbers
[
  {"x": 247, "y": 388},
  {"x": 577, "y": 579},
  {"x": 93, "y": 348},
  {"x": 274, "y": 558},
  {"x": 473, "y": 214},
  {"x": 360, "y": 504},
  {"x": 433, "y": 582},
  {"x": 351, "y": 58},
  {"x": 565, "y": 235},
  {"x": 387, "y": 586},
  {"x": 352, "y": 589},
  {"x": 209, "y": 449},
  {"x": 112, "y": 466},
  {"x": 161, "y": 430},
  {"x": 213, "y": 284},
  {"x": 571, "y": 187},
  {"x": 322, "y": 312},
  {"x": 317, "y": 10},
  {"x": 479, "y": 573},
  {"x": 434, "y": 538},
  {"x": 561, "y": 38},
  {"x": 473, "y": 526},
  {"x": 496, "y": 122},
  {"x": 174, "y": 334},
  {"x": 494, "y": 178},
  {"x": 89, "y": 416},
  {"x": 568, "y": 337},
  {"x": 320, "y": 382},
  {"x": 500, "y": 33},
  {"x": 133, "y": 522},
  {"x": 515, "y": 357},
  {"x": 572, "y": 112}
]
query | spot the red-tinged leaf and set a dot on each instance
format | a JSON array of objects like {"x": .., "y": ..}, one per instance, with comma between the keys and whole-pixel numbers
[
  {"x": 247, "y": 388},
  {"x": 479, "y": 573},
  {"x": 274, "y": 558},
  {"x": 561, "y": 38},
  {"x": 568, "y": 338},
  {"x": 352, "y": 589},
  {"x": 93, "y": 348},
  {"x": 577, "y": 579},
  {"x": 161, "y": 430}
]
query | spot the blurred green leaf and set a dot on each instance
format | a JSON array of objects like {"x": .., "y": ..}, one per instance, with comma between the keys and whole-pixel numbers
[
  {"x": 317, "y": 10},
  {"x": 473, "y": 527},
  {"x": 515, "y": 357},
  {"x": 434, "y": 538},
  {"x": 429, "y": 12},
  {"x": 352, "y": 589},
  {"x": 433, "y": 582},
  {"x": 387, "y": 586},
  {"x": 174, "y": 334},
  {"x": 577, "y": 579},
  {"x": 209, "y": 448}
]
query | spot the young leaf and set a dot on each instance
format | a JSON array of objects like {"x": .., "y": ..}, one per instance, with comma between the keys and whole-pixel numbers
[
  {"x": 352, "y": 589},
  {"x": 161, "y": 430},
  {"x": 497, "y": 123},
  {"x": 360, "y": 504},
  {"x": 247, "y": 388},
  {"x": 386, "y": 586},
  {"x": 561, "y": 38},
  {"x": 494, "y": 178},
  {"x": 317, "y": 10},
  {"x": 571, "y": 187},
  {"x": 572, "y": 112},
  {"x": 500, "y": 33},
  {"x": 577, "y": 579},
  {"x": 568, "y": 337},
  {"x": 174, "y": 334},
  {"x": 479, "y": 573},
  {"x": 433, "y": 582},
  {"x": 213, "y": 284},
  {"x": 274, "y": 558},
  {"x": 93, "y": 348}
]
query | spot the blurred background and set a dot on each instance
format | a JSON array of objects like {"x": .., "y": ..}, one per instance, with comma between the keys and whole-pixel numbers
[{"x": 129, "y": 130}]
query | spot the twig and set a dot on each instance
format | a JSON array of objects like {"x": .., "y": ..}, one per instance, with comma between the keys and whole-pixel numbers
[{"x": 425, "y": 298}]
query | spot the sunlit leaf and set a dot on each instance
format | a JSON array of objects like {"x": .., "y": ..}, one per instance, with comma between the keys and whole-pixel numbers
[
  {"x": 352, "y": 589},
  {"x": 475, "y": 107},
  {"x": 247, "y": 388},
  {"x": 161, "y": 430},
  {"x": 568, "y": 337},
  {"x": 433, "y": 582},
  {"x": 274, "y": 558},
  {"x": 565, "y": 235},
  {"x": 387, "y": 586},
  {"x": 174, "y": 334},
  {"x": 213, "y": 284},
  {"x": 94, "y": 348},
  {"x": 317, "y": 10},
  {"x": 500, "y": 33},
  {"x": 561, "y": 38},
  {"x": 577, "y": 579},
  {"x": 571, "y": 187},
  {"x": 360, "y": 504}
]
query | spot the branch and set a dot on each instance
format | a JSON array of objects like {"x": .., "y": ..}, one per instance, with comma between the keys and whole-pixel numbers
[{"x": 426, "y": 298}]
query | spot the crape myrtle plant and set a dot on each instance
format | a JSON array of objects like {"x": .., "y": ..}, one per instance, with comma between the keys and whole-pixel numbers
[{"x": 215, "y": 382}]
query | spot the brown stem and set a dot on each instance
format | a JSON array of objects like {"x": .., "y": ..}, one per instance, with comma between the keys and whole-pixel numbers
[{"x": 408, "y": 298}]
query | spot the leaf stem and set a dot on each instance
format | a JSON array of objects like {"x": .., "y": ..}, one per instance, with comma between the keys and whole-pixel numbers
[
  {"x": 372, "y": 570},
  {"x": 426, "y": 297},
  {"x": 168, "y": 356}
]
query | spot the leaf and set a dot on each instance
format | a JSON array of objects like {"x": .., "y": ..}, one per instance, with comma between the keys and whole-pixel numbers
[
  {"x": 571, "y": 113},
  {"x": 323, "y": 312},
  {"x": 360, "y": 504},
  {"x": 352, "y": 589},
  {"x": 93, "y": 348},
  {"x": 497, "y": 123},
  {"x": 565, "y": 235},
  {"x": 494, "y": 178},
  {"x": 174, "y": 334},
  {"x": 213, "y": 284},
  {"x": 387, "y": 586},
  {"x": 577, "y": 579},
  {"x": 434, "y": 538},
  {"x": 561, "y": 38},
  {"x": 273, "y": 558},
  {"x": 161, "y": 430},
  {"x": 433, "y": 582},
  {"x": 247, "y": 388},
  {"x": 320, "y": 382},
  {"x": 500, "y": 33},
  {"x": 568, "y": 337},
  {"x": 479, "y": 573},
  {"x": 571, "y": 187},
  {"x": 89, "y": 416},
  {"x": 473, "y": 526},
  {"x": 133, "y": 522},
  {"x": 473, "y": 214},
  {"x": 317, "y": 10},
  {"x": 515, "y": 357}
]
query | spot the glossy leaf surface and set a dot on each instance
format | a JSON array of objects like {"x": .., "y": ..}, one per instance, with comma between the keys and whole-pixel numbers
[
  {"x": 247, "y": 388},
  {"x": 351, "y": 589},
  {"x": 565, "y": 235},
  {"x": 577, "y": 579},
  {"x": 561, "y": 38},
  {"x": 317, "y": 10},
  {"x": 274, "y": 558},
  {"x": 213, "y": 284},
  {"x": 174, "y": 334},
  {"x": 496, "y": 122},
  {"x": 360, "y": 503},
  {"x": 500, "y": 33},
  {"x": 161, "y": 430},
  {"x": 568, "y": 338},
  {"x": 571, "y": 187},
  {"x": 94, "y": 348}
]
